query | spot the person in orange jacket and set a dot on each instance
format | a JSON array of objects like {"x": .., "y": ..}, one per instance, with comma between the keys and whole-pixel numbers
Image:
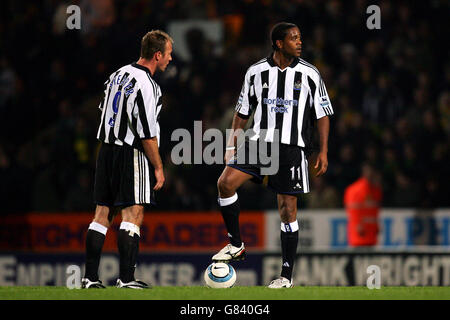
[{"x": 362, "y": 200}]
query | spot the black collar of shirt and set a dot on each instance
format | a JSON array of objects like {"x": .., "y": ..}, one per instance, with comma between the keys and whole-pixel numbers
[
  {"x": 273, "y": 64},
  {"x": 134, "y": 64}
]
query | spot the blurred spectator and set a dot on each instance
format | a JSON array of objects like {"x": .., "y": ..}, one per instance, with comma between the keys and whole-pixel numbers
[
  {"x": 7, "y": 82},
  {"x": 45, "y": 195},
  {"x": 185, "y": 198},
  {"x": 97, "y": 15},
  {"x": 6, "y": 179},
  {"x": 382, "y": 103},
  {"x": 406, "y": 193},
  {"x": 390, "y": 167},
  {"x": 80, "y": 197},
  {"x": 411, "y": 162},
  {"x": 434, "y": 193},
  {"x": 444, "y": 111},
  {"x": 346, "y": 169},
  {"x": 15, "y": 182},
  {"x": 430, "y": 133},
  {"x": 362, "y": 200},
  {"x": 322, "y": 195}
]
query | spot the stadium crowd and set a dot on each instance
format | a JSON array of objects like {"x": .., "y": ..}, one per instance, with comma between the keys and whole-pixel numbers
[{"x": 390, "y": 90}]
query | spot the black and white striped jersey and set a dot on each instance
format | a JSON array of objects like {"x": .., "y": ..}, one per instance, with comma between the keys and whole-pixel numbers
[
  {"x": 289, "y": 100},
  {"x": 130, "y": 107}
]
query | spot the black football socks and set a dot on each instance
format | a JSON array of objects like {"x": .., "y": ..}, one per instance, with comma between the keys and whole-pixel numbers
[
  {"x": 95, "y": 238},
  {"x": 289, "y": 240},
  {"x": 128, "y": 244},
  {"x": 230, "y": 212}
]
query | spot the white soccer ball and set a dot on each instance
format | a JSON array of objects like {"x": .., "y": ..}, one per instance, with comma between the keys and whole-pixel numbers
[{"x": 220, "y": 275}]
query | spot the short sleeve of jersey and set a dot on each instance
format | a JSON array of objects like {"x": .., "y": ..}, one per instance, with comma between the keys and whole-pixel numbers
[
  {"x": 144, "y": 111},
  {"x": 245, "y": 104},
  {"x": 322, "y": 103},
  {"x": 105, "y": 90}
]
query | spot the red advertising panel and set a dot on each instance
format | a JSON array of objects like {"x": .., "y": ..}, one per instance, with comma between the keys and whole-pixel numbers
[{"x": 161, "y": 231}]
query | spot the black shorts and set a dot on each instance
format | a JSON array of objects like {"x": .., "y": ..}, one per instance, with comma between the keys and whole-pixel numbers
[
  {"x": 292, "y": 176},
  {"x": 123, "y": 177}
]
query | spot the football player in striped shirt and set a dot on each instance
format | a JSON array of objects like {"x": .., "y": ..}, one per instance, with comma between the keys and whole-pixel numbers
[
  {"x": 129, "y": 168},
  {"x": 287, "y": 96}
]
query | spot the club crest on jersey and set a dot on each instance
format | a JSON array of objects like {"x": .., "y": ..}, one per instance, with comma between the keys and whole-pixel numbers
[
  {"x": 298, "y": 85},
  {"x": 324, "y": 101}
]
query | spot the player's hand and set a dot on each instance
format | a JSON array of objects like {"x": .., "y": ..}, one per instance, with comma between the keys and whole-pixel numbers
[
  {"x": 159, "y": 174},
  {"x": 228, "y": 155},
  {"x": 321, "y": 164}
]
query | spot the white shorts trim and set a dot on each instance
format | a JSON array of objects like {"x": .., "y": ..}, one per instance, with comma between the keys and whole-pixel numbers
[{"x": 142, "y": 187}]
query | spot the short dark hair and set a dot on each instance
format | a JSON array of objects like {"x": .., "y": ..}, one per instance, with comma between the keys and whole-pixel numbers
[
  {"x": 153, "y": 42},
  {"x": 279, "y": 32}
]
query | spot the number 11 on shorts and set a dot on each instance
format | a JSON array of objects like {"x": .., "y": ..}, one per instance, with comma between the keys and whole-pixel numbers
[{"x": 293, "y": 173}]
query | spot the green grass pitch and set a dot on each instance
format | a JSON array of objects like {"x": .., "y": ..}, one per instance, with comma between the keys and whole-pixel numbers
[{"x": 235, "y": 293}]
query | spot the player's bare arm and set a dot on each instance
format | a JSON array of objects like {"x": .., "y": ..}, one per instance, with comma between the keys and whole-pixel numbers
[
  {"x": 238, "y": 123},
  {"x": 152, "y": 153},
  {"x": 323, "y": 126}
]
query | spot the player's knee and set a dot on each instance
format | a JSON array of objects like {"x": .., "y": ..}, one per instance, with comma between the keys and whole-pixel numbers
[{"x": 225, "y": 187}]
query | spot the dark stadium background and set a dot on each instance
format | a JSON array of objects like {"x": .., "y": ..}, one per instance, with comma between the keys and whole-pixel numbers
[{"x": 389, "y": 89}]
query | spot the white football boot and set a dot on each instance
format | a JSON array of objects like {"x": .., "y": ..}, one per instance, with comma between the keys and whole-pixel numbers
[
  {"x": 88, "y": 284},
  {"x": 230, "y": 253},
  {"x": 281, "y": 282},
  {"x": 135, "y": 284}
]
